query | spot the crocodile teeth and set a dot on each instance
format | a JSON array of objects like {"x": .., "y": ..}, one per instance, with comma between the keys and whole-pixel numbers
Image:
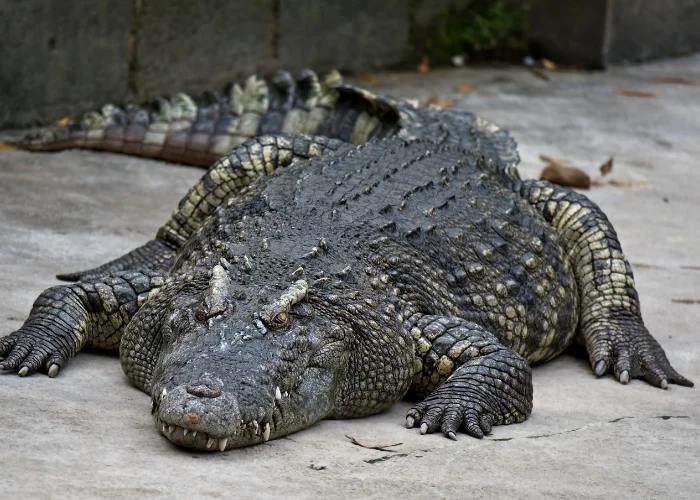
[
  {"x": 164, "y": 393},
  {"x": 266, "y": 433},
  {"x": 286, "y": 394},
  {"x": 278, "y": 394},
  {"x": 210, "y": 442},
  {"x": 184, "y": 432},
  {"x": 194, "y": 434},
  {"x": 165, "y": 428},
  {"x": 255, "y": 424},
  {"x": 171, "y": 429},
  {"x": 222, "y": 443}
]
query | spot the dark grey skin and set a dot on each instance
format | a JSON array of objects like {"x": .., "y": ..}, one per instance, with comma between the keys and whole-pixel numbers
[{"x": 333, "y": 287}]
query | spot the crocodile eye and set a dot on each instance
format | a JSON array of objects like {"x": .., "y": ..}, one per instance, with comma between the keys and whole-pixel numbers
[{"x": 280, "y": 320}]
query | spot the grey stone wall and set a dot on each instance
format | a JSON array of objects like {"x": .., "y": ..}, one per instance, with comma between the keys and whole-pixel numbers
[
  {"x": 61, "y": 57},
  {"x": 58, "y": 56},
  {"x": 648, "y": 29},
  {"x": 596, "y": 33}
]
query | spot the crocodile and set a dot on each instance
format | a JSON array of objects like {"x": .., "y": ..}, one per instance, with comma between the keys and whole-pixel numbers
[{"x": 305, "y": 277}]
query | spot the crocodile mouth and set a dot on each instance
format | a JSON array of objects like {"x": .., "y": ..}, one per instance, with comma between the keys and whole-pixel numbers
[{"x": 247, "y": 434}]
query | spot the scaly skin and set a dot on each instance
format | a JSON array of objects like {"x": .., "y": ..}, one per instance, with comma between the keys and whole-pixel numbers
[
  {"x": 200, "y": 132},
  {"x": 334, "y": 286}
]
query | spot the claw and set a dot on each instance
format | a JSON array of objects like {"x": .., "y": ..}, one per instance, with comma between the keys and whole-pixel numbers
[
  {"x": 624, "y": 377},
  {"x": 53, "y": 370},
  {"x": 600, "y": 368},
  {"x": 664, "y": 384},
  {"x": 452, "y": 436},
  {"x": 409, "y": 422},
  {"x": 23, "y": 371},
  {"x": 423, "y": 428}
]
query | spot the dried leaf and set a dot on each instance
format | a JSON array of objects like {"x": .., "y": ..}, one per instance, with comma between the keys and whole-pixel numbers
[
  {"x": 371, "y": 446},
  {"x": 686, "y": 301},
  {"x": 637, "y": 92},
  {"x": 606, "y": 167},
  {"x": 438, "y": 101},
  {"x": 424, "y": 65},
  {"x": 628, "y": 183},
  {"x": 464, "y": 88},
  {"x": 62, "y": 122},
  {"x": 683, "y": 80},
  {"x": 550, "y": 65},
  {"x": 370, "y": 79},
  {"x": 551, "y": 159},
  {"x": 564, "y": 175},
  {"x": 8, "y": 146},
  {"x": 540, "y": 74}
]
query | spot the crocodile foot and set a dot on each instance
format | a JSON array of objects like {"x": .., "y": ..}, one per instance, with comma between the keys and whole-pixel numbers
[{"x": 624, "y": 346}]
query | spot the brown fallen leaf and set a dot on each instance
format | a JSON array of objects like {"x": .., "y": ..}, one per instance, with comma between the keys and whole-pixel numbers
[
  {"x": 551, "y": 159},
  {"x": 464, "y": 88},
  {"x": 683, "y": 80},
  {"x": 371, "y": 446},
  {"x": 628, "y": 183},
  {"x": 62, "y": 122},
  {"x": 8, "y": 146},
  {"x": 553, "y": 66},
  {"x": 637, "y": 92},
  {"x": 686, "y": 301},
  {"x": 606, "y": 167},
  {"x": 540, "y": 74},
  {"x": 564, "y": 175},
  {"x": 424, "y": 65},
  {"x": 438, "y": 101},
  {"x": 550, "y": 65},
  {"x": 370, "y": 79}
]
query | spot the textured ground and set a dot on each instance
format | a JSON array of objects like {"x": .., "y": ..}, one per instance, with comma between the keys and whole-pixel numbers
[{"x": 88, "y": 434}]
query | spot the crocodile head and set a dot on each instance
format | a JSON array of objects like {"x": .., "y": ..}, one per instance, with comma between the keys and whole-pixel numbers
[{"x": 240, "y": 366}]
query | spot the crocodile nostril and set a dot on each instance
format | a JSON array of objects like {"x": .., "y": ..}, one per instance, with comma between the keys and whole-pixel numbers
[{"x": 208, "y": 389}]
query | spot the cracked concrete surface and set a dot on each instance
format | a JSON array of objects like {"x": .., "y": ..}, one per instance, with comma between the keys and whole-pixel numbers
[{"x": 88, "y": 433}]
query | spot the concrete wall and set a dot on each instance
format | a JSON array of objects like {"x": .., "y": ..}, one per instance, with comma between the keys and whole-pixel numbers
[
  {"x": 62, "y": 57},
  {"x": 56, "y": 56},
  {"x": 596, "y": 33},
  {"x": 648, "y": 29}
]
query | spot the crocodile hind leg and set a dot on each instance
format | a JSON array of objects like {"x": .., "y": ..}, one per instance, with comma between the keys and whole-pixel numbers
[
  {"x": 472, "y": 381},
  {"x": 227, "y": 177},
  {"x": 66, "y": 318},
  {"x": 610, "y": 322}
]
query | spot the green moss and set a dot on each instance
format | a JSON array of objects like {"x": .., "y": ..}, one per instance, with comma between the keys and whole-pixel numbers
[{"x": 487, "y": 29}]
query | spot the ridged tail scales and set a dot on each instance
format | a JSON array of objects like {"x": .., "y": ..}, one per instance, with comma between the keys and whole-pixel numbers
[
  {"x": 183, "y": 130},
  {"x": 610, "y": 321},
  {"x": 227, "y": 177},
  {"x": 180, "y": 129}
]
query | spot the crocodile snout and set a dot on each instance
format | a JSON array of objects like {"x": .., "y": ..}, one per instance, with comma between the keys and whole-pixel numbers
[{"x": 205, "y": 388}]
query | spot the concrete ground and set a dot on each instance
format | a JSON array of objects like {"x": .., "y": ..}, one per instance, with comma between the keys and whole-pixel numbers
[{"x": 88, "y": 433}]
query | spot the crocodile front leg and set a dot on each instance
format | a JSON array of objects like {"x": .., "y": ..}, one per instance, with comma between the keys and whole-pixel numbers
[
  {"x": 610, "y": 322},
  {"x": 473, "y": 382},
  {"x": 227, "y": 177},
  {"x": 66, "y": 318}
]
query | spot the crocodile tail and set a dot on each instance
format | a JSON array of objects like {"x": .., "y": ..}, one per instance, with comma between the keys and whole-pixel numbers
[{"x": 198, "y": 132}]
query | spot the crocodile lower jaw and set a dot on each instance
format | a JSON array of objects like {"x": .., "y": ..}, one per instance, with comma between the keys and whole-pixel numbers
[{"x": 248, "y": 434}]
